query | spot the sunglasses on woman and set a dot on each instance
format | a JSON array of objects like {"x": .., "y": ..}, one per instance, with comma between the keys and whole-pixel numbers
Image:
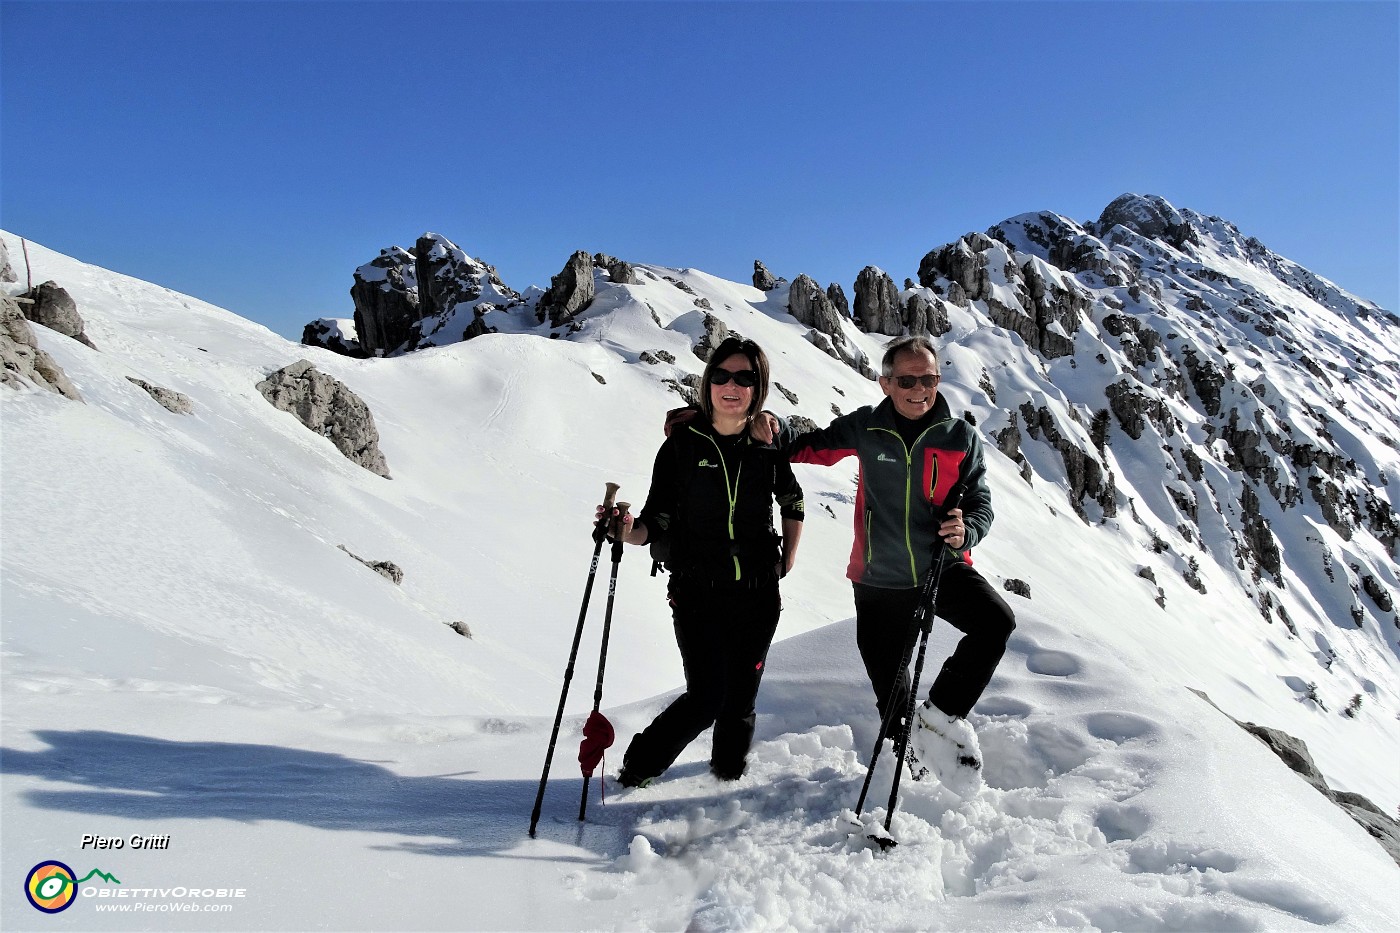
[
  {"x": 908, "y": 382},
  {"x": 746, "y": 378}
]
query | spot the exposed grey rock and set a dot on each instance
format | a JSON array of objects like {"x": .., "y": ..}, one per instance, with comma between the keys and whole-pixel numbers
[
  {"x": 7, "y": 274},
  {"x": 687, "y": 387},
  {"x": 877, "y": 309},
  {"x": 1008, "y": 441},
  {"x": 837, "y": 296},
  {"x": 55, "y": 309},
  {"x": 460, "y": 627},
  {"x": 1019, "y": 587},
  {"x": 622, "y": 273},
  {"x": 1059, "y": 307},
  {"x": 386, "y": 569},
  {"x": 570, "y": 292},
  {"x": 1087, "y": 478},
  {"x": 603, "y": 260},
  {"x": 786, "y": 393},
  {"x": 1259, "y": 545},
  {"x": 1133, "y": 408},
  {"x": 1378, "y": 593},
  {"x": 327, "y": 334},
  {"x": 1294, "y": 753},
  {"x": 810, "y": 305},
  {"x": 715, "y": 333},
  {"x": 1148, "y": 215},
  {"x": 802, "y": 425},
  {"x": 1138, "y": 340},
  {"x": 763, "y": 280},
  {"x": 25, "y": 364},
  {"x": 328, "y": 407},
  {"x": 172, "y": 401},
  {"x": 385, "y": 294},
  {"x": 1206, "y": 378},
  {"x": 925, "y": 316},
  {"x": 403, "y": 297}
]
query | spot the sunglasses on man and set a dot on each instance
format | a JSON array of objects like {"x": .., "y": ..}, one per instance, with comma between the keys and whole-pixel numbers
[
  {"x": 746, "y": 378},
  {"x": 908, "y": 382}
]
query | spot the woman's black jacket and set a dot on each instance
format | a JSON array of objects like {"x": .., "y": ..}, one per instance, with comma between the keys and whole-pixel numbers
[{"x": 709, "y": 512}]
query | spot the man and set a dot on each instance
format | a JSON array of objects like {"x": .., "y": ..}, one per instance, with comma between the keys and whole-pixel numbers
[{"x": 912, "y": 452}]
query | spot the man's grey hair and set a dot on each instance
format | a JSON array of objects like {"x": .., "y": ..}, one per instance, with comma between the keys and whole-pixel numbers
[{"x": 909, "y": 344}]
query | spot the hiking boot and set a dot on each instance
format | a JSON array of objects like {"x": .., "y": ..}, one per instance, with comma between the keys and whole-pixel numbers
[
  {"x": 626, "y": 778},
  {"x": 729, "y": 772},
  {"x": 947, "y": 746}
]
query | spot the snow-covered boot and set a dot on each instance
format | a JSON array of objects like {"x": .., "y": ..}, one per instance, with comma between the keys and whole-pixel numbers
[{"x": 947, "y": 746}]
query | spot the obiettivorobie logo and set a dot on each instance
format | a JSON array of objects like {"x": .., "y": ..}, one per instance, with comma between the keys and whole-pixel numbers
[{"x": 52, "y": 886}]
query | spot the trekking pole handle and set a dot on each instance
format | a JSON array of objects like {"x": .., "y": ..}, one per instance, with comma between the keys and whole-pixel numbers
[
  {"x": 615, "y": 524},
  {"x": 609, "y": 496}
]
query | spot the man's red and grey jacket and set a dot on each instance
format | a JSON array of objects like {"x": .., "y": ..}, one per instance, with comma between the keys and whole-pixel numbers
[{"x": 901, "y": 488}]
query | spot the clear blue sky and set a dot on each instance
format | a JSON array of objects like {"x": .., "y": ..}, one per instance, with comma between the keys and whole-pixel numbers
[{"x": 253, "y": 154}]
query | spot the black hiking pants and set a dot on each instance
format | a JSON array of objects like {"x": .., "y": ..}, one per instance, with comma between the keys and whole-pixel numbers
[
  {"x": 723, "y": 634},
  {"x": 969, "y": 603}
]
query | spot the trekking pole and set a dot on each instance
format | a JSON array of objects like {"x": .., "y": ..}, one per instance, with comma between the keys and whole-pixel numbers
[
  {"x": 923, "y": 617},
  {"x": 600, "y": 532},
  {"x": 602, "y": 736},
  {"x": 919, "y": 627}
]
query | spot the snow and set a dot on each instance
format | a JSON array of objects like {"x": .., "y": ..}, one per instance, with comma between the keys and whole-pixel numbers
[{"x": 187, "y": 652}]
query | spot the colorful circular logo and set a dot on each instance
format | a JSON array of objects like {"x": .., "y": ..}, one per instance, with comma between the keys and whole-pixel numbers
[{"x": 51, "y": 887}]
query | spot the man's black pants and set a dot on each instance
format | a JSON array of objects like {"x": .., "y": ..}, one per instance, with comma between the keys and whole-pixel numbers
[
  {"x": 723, "y": 634},
  {"x": 969, "y": 603}
]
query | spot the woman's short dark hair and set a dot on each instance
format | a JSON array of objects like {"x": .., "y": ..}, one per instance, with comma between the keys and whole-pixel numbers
[{"x": 758, "y": 360}]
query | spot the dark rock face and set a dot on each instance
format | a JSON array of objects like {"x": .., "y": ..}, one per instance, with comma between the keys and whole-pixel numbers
[
  {"x": 328, "y": 407},
  {"x": 172, "y": 401},
  {"x": 837, "y": 296},
  {"x": 54, "y": 308},
  {"x": 1018, "y": 587},
  {"x": 385, "y": 568},
  {"x": 763, "y": 280},
  {"x": 7, "y": 273},
  {"x": 385, "y": 294},
  {"x": 810, "y": 305},
  {"x": 621, "y": 273},
  {"x": 716, "y": 331},
  {"x": 24, "y": 363},
  {"x": 1148, "y": 216},
  {"x": 402, "y": 298},
  {"x": 1133, "y": 408},
  {"x": 327, "y": 334},
  {"x": 1259, "y": 546},
  {"x": 877, "y": 309},
  {"x": 1087, "y": 478},
  {"x": 570, "y": 292},
  {"x": 926, "y": 317}
]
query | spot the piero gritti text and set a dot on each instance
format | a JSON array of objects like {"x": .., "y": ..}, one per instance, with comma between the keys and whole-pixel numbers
[{"x": 136, "y": 841}]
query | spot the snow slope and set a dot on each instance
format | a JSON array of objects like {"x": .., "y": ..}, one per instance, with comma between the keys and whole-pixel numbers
[{"x": 186, "y": 652}]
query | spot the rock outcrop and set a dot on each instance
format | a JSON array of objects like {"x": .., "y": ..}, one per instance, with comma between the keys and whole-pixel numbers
[
  {"x": 334, "y": 334},
  {"x": 172, "y": 401},
  {"x": 385, "y": 294},
  {"x": 25, "y": 364},
  {"x": 763, "y": 280},
  {"x": 7, "y": 272},
  {"x": 328, "y": 407},
  {"x": 434, "y": 294},
  {"x": 877, "y": 308},
  {"x": 54, "y": 308},
  {"x": 570, "y": 292}
]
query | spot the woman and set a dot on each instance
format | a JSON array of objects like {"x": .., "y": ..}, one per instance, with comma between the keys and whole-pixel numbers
[{"x": 710, "y": 510}]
